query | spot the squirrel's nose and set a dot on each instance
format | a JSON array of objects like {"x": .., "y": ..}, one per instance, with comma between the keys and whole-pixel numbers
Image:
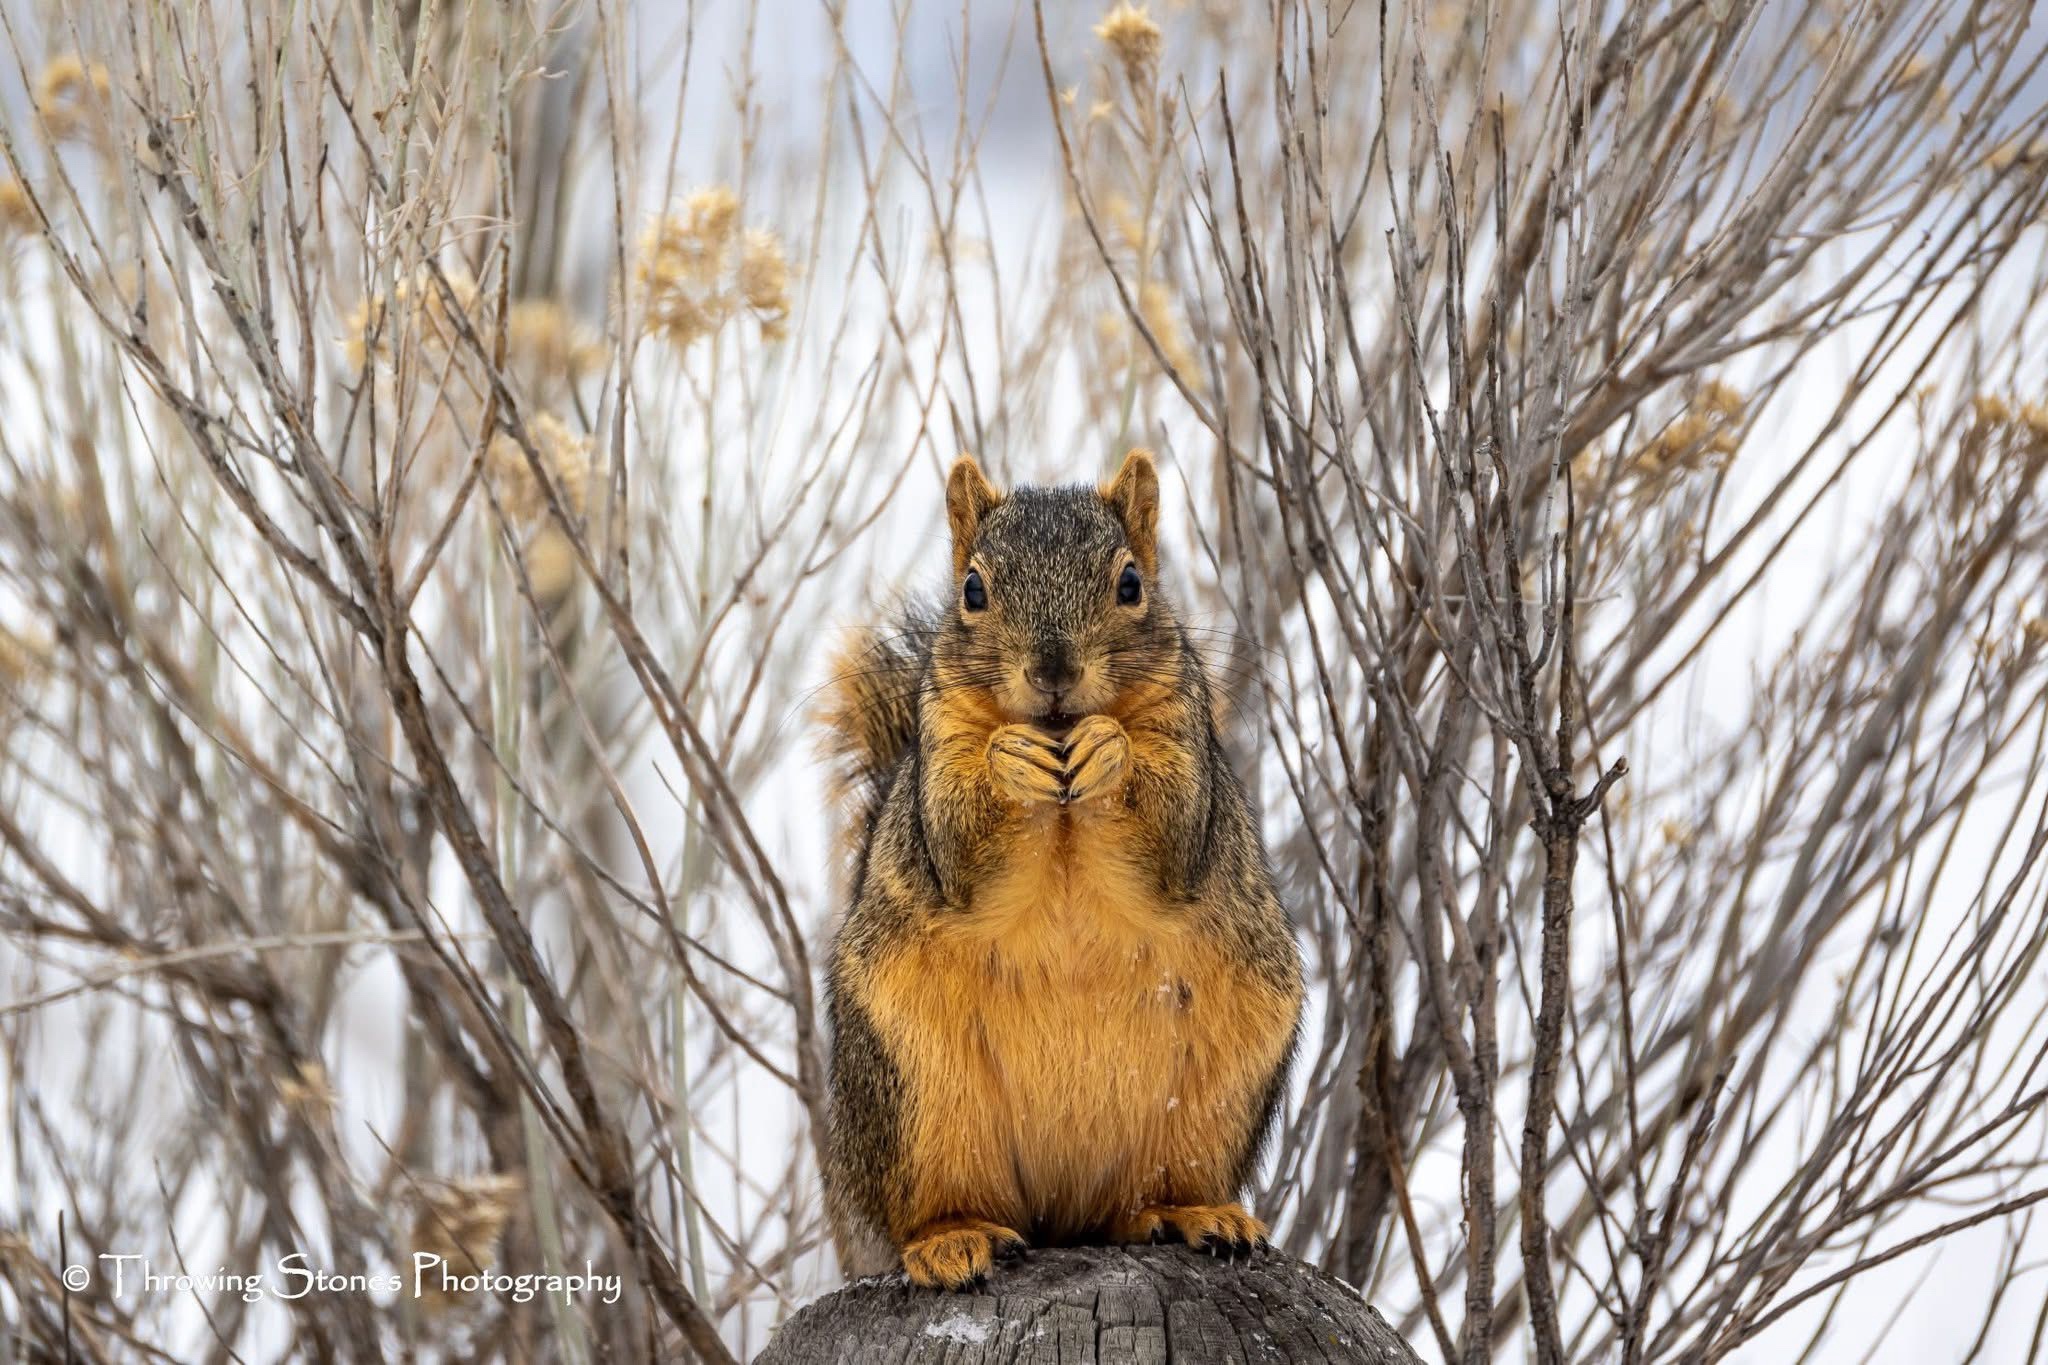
[{"x": 1051, "y": 674}]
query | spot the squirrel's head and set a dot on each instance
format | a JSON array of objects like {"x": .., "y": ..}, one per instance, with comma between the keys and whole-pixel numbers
[{"x": 1056, "y": 610}]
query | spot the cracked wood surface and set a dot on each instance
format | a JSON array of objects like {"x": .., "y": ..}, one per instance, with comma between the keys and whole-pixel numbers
[{"x": 1161, "y": 1305}]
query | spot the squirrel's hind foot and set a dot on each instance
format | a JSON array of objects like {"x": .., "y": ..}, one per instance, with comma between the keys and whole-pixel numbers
[
  {"x": 953, "y": 1253},
  {"x": 1210, "y": 1227}
]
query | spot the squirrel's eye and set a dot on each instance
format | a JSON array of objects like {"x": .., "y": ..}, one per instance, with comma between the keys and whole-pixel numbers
[
  {"x": 972, "y": 593},
  {"x": 1128, "y": 587}
]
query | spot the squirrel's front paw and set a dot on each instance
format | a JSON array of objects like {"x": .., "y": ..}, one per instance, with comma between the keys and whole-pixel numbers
[
  {"x": 1026, "y": 764},
  {"x": 1098, "y": 755},
  {"x": 955, "y": 1252},
  {"x": 1215, "y": 1226}
]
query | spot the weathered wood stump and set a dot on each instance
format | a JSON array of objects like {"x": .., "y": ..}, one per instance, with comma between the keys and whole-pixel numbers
[{"x": 1127, "y": 1305}]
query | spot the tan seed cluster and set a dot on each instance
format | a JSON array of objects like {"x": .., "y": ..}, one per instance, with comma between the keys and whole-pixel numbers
[
  {"x": 564, "y": 453},
  {"x": 697, "y": 269},
  {"x": 2023, "y": 425},
  {"x": 461, "y": 1222},
  {"x": 1130, "y": 33},
  {"x": 16, "y": 213},
  {"x": 545, "y": 342},
  {"x": 368, "y": 328},
  {"x": 1704, "y": 436},
  {"x": 23, "y": 657},
  {"x": 307, "y": 1088},
  {"x": 67, "y": 87},
  {"x": 2017, "y": 151}
]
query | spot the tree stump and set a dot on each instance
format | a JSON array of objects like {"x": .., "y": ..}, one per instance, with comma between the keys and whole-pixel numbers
[{"x": 1139, "y": 1305}]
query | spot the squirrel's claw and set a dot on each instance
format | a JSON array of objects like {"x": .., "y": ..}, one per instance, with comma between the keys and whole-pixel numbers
[
  {"x": 1214, "y": 1228},
  {"x": 1025, "y": 765},
  {"x": 1098, "y": 755},
  {"x": 957, "y": 1252}
]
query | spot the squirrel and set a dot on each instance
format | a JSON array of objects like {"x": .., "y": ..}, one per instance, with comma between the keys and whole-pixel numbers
[{"x": 1065, "y": 995}]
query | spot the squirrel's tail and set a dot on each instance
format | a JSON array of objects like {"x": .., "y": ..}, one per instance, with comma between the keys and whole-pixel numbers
[{"x": 869, "y": 708}]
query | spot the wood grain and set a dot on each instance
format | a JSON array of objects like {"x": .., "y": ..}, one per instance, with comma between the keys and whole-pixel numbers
[{"x": 1163, "y": 1305}]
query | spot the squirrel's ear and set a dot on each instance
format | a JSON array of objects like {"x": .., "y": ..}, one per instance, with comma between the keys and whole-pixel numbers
[
  {"x": 969, "y": 496},
  {"x": 1134, "y": 496}
]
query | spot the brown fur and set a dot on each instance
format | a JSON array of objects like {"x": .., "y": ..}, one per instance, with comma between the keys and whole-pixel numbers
[{"x": 1065, "y": 994}]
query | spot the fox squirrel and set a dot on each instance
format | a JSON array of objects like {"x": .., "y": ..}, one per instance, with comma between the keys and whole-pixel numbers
[{"x": 1065, "y": 997}]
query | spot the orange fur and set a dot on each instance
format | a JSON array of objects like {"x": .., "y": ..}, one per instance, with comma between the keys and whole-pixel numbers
[{"x": 1072, "y": 1046}]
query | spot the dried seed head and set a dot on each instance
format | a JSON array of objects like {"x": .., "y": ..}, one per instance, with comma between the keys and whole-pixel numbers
[
  {"x": 1124, "y": 222},
  {"x": 17, "y": 215},
  {"x": 1704, "y": 436},
  {"x": 563, "y": 453},
  {"x": 308, "y": 1088},
  {"x": 546, "y": 343},
  {"x": 23, "y": 657},
  {"x": 369, "y": 327},
  {"x": 1990, "y": 410},
  {"x": 2017, "y": 151},
  {"x": 713, "y": 212},
  {"x": 361, "y": 330},
  {"x": 550, "y": 564},
  {"x": 461, "y": 1222},
  {"x": 1131, "y": 34},
  {"x": 1721, "y": 401},
  {"x": 764, "y": 280},
  {"x": 66, "y": 87},
  {"x": 2034, "y": 421},
  {"x": 696, "y": 271},
  {"x": 1155, "y": 305},
  {"x": 69, "y": 75},
  {"x": 2022, "y": 427}
]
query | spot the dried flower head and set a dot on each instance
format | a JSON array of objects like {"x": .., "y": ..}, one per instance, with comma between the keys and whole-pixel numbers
[
  {"x": 70, "y": 76},
  {"x": 713, "y": 212},
  {"x": 563, "y": 452},
  {"x": 2023, "y": 425},
  {"x": 23, "y": 657},
  {"x": 16, "y": 213},
  {"x": 550, "y": 562},
  {"x": 764, "y": 280},
  {"x": 308, "y": 1088},
  {"x": 362, "y": 331},
  {"x": 1989, "y": 410},
  {"x": 418, "y": 300},
  {"x": 696, "y": 271},
  {"x": 461, "y": 1222},
  {"x": 1121, "y": 346},
  {"x": 546, "y": 343},
  {"x": 66, "y": 88},
  {"x": 1124, "y": 222},
  {"x": 2034, "y": 421},
  {"x": 1909, "y": 71},
  {"x": 2017, "y": 151},
  {"x": 1704, "y": 436},
  {"x": 1155, "y": 305},
  {"x": 1131, "y": 34},
  {"x": 1719, "y": 400}
]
